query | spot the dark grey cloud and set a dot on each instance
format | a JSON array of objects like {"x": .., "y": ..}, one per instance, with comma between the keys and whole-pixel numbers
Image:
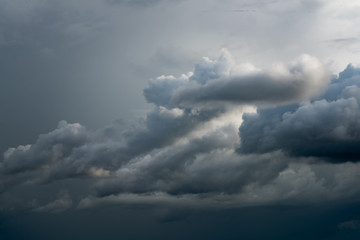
[
  {"x": 102, "y": 154},
  {"x": 163, "y": 126},
  {"x": 200, "y": 165},
  {"x": 186, "y": 153},
  {"x": 161, "y": 90},
  {"x": 327, "y": 126},
  {"x": 49, "y": 148},
  {"x": 72, "y": 151},
  {"x": 36, "y": 163},
  {"x": 224, "y": 81},
  {"x": 176, "y": 174}
]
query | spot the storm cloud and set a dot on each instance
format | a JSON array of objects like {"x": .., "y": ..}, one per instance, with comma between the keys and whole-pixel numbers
[
  {"x": 200, "y": 119},
  {"x": 327, "y": 126},
  {"x": 189, "y": 148}
]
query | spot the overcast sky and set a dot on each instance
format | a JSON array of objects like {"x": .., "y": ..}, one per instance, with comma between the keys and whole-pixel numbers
[{"x": 179, "y": 119}]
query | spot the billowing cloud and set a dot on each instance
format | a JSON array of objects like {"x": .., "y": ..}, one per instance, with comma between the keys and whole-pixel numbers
[
  {"x": 327, "y": 126},
  {"x": 49, "y": 148},
  {"x": 187, "y": 147},
  {"x": 207, "y": 164},
  {"x": 234, "y": 142},
  {"x": 224, "y": 81}
]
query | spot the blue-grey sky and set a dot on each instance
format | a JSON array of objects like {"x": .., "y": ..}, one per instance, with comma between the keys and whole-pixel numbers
[{"x": 178, "y": 119}]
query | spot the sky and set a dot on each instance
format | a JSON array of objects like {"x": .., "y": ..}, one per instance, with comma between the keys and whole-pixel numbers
[{"x": 179, "y": 119}]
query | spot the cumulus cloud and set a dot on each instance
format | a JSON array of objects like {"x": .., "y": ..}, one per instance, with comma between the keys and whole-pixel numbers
[
  {"x": 327, "y": 126},
  {"x": 70, "y": 151},
  {"x": 49, "y": 148},
  {"x": 188, "y": 145},
  {"x": 224, "y": 81},
  {"x": 207, "y": 164},
  {"x": 303, "y": 79},
  {"x": 164, "y": 126}
]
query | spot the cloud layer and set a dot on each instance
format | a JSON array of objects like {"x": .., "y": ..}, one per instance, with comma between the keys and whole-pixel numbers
[{"x": 189, "y": 148}]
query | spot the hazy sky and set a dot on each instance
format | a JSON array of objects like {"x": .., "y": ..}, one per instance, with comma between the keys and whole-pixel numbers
[{"x": 179, "y": 119}]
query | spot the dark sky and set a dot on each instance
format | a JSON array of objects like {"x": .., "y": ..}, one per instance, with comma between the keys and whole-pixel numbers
[
  {"x": 179, "y": 119},
  {"x": 270, "y": 222}
]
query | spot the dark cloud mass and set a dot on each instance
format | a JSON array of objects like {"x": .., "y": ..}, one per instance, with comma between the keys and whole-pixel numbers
[
  {"x": 200, "y": 165},
  {"x": 49, "y": 148},
  {"x": 186, "y": 150},
  {"x": 259, "y": 139},
  {"x": 327, "y": 126}
]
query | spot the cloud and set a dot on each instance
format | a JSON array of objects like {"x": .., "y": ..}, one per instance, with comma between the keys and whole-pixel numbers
[
  {"x": 224, "y": 81},
  {"x": 161, "y": 90},
  {"x": 206, "y": 164},
  {"x": 164, "y": 126},
  {"x": 72, "y": 151},
  {"x": 49, "y": 148},
  {"x": 327, "y": 126},
  {"x": 241, "y": 182},
  {"x": 61, "y": 204},
  {"x": 189, "y": 148}
]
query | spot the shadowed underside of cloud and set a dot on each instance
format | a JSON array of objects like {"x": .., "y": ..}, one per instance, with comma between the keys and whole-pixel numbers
[
  {"x": 189, "y": 148},
  {"x": 224, "y": 81},
  {"x": 327, "y": 126}
]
